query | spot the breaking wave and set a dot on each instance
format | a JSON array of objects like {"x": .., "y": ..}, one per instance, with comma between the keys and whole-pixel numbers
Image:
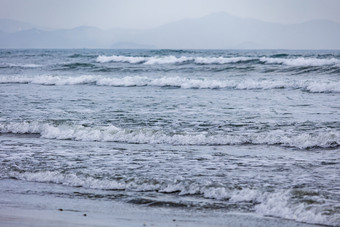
[
  {"x": 11, "y": 65},
  {"x": 300, "y": 61},
  {"x": 115, "y": 58},
  {"x": 324, "y": 139},
  {"x": 178, "y": 82},
  {"x": 171, "y": 59},
  {"x": 279, "y": 204},
  {"x": 276, "y": 204}
]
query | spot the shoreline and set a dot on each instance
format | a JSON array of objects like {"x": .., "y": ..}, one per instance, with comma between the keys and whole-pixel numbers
[
  {"x": 37, "y": 209},
  {"x": 16, "y": 216}
]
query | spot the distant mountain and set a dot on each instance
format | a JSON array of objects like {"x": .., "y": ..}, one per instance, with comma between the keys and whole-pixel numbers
[
  {"x": 221, "y": 30},
  {"x": 129, "y": 45},
  {"x": 215, "y": 31},
  {"x": 10, "y": 26},
  {"x": 35, "y": 38},
  {"x": 15, "y": 34}
]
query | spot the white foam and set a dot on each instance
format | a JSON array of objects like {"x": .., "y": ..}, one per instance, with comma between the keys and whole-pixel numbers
[
  {"x": 320, "y": 86},
  {"x": 171, "y": 59},
  {"x": 24, "y": 127},
  {"x": 245, "y": 194},
  {"x": 48, "y": 80},
  {"x": 146, "y": 60},
  {"x": 68, "y": 179},
  {"x": 20, "y": 65},
  {"x": 220, "y": 60},
  {"x": 127, "y": 81},
  {"x": 218, "y": 193},
  {"x": 124, "y": 81},
  {"x": 75, "y": 180},
  {"x": 324, "y": 139},
  {"x": 188, "y": 83},
  {"x": 180, "y": 82},
  {"x": 278, "y": 204},
  {"x": 300, "y": 61},
  {"x": 275, "y": 204},
  {"x": 115, "y": 58},
  {"x": 167, "y": 60}
]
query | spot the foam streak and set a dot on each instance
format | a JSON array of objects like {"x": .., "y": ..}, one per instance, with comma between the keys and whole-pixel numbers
[{"x": 326, "y": 139}]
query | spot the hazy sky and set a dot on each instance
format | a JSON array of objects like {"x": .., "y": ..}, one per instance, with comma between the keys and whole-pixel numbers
[{"x": 152, "y": 13}]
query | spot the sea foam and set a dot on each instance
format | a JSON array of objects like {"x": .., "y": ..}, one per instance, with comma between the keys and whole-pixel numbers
[
  {"x": 146, "y": 60},
  {"x": 279, "y": 204},
  {"x": 179, "y": 82},
  {"x": 276, "y": 204},
  {"x": 19, "y": 65},
  {"x": 110, "y": 133},
  {"x": 115, "y": 58},
  {"x": 300, "y": 61},
  {"x": 170, "y": 59},
  {"x": 221, "y": 60}
]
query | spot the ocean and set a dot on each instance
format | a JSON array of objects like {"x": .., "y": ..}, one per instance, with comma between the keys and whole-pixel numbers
[{"x": 254, "y": 132}]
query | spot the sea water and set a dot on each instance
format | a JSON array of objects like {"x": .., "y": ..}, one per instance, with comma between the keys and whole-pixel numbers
[{"x": 251, "y": 132}]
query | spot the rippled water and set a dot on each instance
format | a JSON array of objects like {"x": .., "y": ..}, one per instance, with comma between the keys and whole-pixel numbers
[{"x": 238, "y": 131}]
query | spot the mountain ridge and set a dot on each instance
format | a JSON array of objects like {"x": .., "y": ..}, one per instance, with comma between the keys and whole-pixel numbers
[{"x": 215, "y": 31}]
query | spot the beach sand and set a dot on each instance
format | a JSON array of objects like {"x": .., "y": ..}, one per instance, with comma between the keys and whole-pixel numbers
[{"x": 24, "y": 217}]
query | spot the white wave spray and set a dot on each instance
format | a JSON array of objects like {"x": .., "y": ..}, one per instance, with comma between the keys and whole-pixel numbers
[
  {"x": 275, "y": 204},
  {"x": 180, "y": 82},
  {"x": 170, "y": 59},
  {"x": 325, "y": 139},
  {"x": 300, "y": 61}
]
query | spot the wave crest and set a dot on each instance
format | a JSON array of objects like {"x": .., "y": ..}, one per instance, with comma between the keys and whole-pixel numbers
[
  {"x": 325, "y": 139},
  {"x": 277, "y": 204},
  {"x": 170, "y": 59},
  {"x": 19, "y": 65},
  {"x": 179, "y": 82},
  {"x": 301, "y": 61},
  {"x": 115, "y": 58}
]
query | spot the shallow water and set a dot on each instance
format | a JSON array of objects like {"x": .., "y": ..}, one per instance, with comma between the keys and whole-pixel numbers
[{"x": 255, "y": 132}]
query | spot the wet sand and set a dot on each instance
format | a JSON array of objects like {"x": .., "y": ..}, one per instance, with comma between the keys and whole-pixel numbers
[{"x": 24, "y": 217}]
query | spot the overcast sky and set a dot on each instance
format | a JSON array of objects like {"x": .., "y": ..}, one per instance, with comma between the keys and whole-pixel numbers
[{"x": 152, "y": 13}]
